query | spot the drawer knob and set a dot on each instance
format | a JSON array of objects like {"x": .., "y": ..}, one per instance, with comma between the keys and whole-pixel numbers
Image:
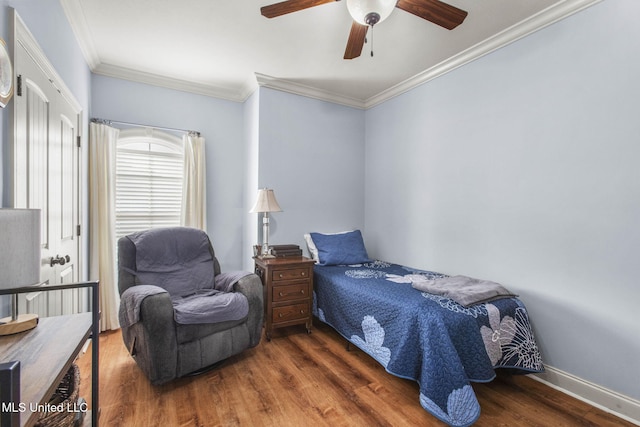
[
  {"x": 302, "y": 291},
  {"x": 280, "y": 314},
  {"x": 281, "y": 294},
  {"x": 303, "y": 273},
  {"x": 301, "y": 311},
  {"x": 281, "y": 276}
]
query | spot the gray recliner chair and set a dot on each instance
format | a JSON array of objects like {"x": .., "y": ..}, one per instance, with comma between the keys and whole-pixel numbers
[{"x": 178, "y": 313}]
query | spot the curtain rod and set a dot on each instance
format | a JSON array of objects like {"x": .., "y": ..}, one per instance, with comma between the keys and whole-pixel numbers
[{"x": 110, "y": 122}]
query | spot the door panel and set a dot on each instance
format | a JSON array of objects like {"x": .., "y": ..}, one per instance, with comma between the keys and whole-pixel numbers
[
  {"x": 67, "y": 193},
  {"x": 46, "y": 172},
  {"x": 33, "y": 111}
]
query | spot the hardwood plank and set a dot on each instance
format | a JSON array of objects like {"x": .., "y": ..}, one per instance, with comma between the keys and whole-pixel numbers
[{"x": 299, "y": 379}]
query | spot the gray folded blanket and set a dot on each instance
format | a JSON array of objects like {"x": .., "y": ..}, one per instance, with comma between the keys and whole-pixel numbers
[
  {"x": 464, "y": 290},
  {"x": 131, "y": 300},
  {"x": 224, "y": 281},
  {"x": 211, "y": 306},
  {"x": 203, "y": 306}
]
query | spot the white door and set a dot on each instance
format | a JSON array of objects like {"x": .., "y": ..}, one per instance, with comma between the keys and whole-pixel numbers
[{"x": 46, "y": 177}]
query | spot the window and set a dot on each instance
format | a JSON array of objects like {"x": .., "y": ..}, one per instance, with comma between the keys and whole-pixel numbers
[{"x": 149, "y": 175}]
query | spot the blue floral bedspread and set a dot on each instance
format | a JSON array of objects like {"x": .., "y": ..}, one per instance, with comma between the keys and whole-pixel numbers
[{"x": 430, "y": 339}]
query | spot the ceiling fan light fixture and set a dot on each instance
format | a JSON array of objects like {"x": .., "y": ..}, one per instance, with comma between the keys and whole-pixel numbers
[{"x": 370, "y": 12}]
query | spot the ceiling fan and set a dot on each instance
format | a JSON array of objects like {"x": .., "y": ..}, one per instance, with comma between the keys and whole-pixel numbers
[{"x": 367, "y": 13}]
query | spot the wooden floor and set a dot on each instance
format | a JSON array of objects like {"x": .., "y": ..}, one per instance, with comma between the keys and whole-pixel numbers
[{"x": 309, "y": 380}]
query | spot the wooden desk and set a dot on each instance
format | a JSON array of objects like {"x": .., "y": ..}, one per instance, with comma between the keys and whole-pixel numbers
[{"x": 45, "y": 354}]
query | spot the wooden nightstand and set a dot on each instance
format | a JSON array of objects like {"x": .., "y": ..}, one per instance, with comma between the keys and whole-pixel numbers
[{"x": 288, "y": 291}]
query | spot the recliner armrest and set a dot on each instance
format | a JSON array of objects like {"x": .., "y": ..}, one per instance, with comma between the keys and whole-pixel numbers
[
  {"x": 251, "y": 287},
  {"x": 155, "y": 340}
]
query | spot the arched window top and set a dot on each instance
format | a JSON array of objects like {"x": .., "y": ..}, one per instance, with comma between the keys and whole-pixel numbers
[{"x": 149, "y": 139}]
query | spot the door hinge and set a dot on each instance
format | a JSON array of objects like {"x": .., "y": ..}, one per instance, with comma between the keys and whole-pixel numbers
[
  {"x": 79, "y": 140},
  {"x": 78, "y": 228},
  {"x": 19, "y": 85}
]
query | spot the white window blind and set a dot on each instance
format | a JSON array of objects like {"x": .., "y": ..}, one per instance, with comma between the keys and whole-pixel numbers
[{"x": 149, "y": 174}]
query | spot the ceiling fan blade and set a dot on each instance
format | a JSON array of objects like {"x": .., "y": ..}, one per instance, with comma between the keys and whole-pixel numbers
[
  {"x": 439, "y": 13},
  {"x": 289, "y": 6},
  {"x": 356, "y": 40}
]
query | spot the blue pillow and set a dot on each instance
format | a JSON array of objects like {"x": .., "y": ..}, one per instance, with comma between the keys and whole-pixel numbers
[{"x": 340, "y": 249}]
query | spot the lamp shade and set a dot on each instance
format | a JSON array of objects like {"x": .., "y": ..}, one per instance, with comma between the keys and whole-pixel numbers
[
  {"x": 266, "y": 202},
  {"x": 361, "y": 10},
  {"x": 19, "y": 262},
  {"x": 19, "y": 248}
]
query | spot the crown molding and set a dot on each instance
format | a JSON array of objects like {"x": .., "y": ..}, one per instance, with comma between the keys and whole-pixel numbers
[
  {"x": 80, "y": 29},
  {"x": 530, "y": 25},
  {"x": 308, "y": 91},
  {"x": 228, "y": 93},
  {"x": 78, "y": 22}
]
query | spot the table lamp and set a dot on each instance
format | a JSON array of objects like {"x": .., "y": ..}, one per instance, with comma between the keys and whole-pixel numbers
[
  {"x": 19, "y": 262},
  {"x": 266, "y": 203}
]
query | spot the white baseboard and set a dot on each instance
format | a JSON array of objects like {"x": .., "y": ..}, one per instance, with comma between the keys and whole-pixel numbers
[{"x": 617, "y": 404}]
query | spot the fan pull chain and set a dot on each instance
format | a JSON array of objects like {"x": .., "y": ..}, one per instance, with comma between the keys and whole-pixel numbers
[{"x": 372, "y": 41}]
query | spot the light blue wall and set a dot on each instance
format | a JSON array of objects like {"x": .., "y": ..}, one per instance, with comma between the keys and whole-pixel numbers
[
  {"x": 312, "y": 155},
  {"x": 522, "y": 167},
  {"x": 220, "y": 122},
  {"x": 310, "y": 152}
]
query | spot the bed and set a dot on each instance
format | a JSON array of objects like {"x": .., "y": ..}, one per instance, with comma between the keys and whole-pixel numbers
[{"x": 417, "y": 335}]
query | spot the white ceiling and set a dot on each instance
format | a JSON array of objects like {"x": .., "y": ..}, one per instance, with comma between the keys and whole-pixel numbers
[{"x": 226, "y": 48}]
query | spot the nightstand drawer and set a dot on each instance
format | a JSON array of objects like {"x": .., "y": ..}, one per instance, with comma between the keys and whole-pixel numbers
[
  {"x": 288, "y": 292},
  {"x": 290, "y": 312},
  {"x": 289, "y": 274},
  {"x": 291, "y": 292}
]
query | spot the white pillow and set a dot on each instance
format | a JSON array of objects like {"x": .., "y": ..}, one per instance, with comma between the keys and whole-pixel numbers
[{"x": 313, "y": 251}]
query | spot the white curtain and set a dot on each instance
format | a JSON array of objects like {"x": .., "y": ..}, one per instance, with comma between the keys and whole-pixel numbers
[
  {"x": 194, "y": 191},
  {"x": 102, "y": 170}
]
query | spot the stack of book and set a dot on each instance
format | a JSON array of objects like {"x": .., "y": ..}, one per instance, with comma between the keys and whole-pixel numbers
[{"x": 285, "y": 250}]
